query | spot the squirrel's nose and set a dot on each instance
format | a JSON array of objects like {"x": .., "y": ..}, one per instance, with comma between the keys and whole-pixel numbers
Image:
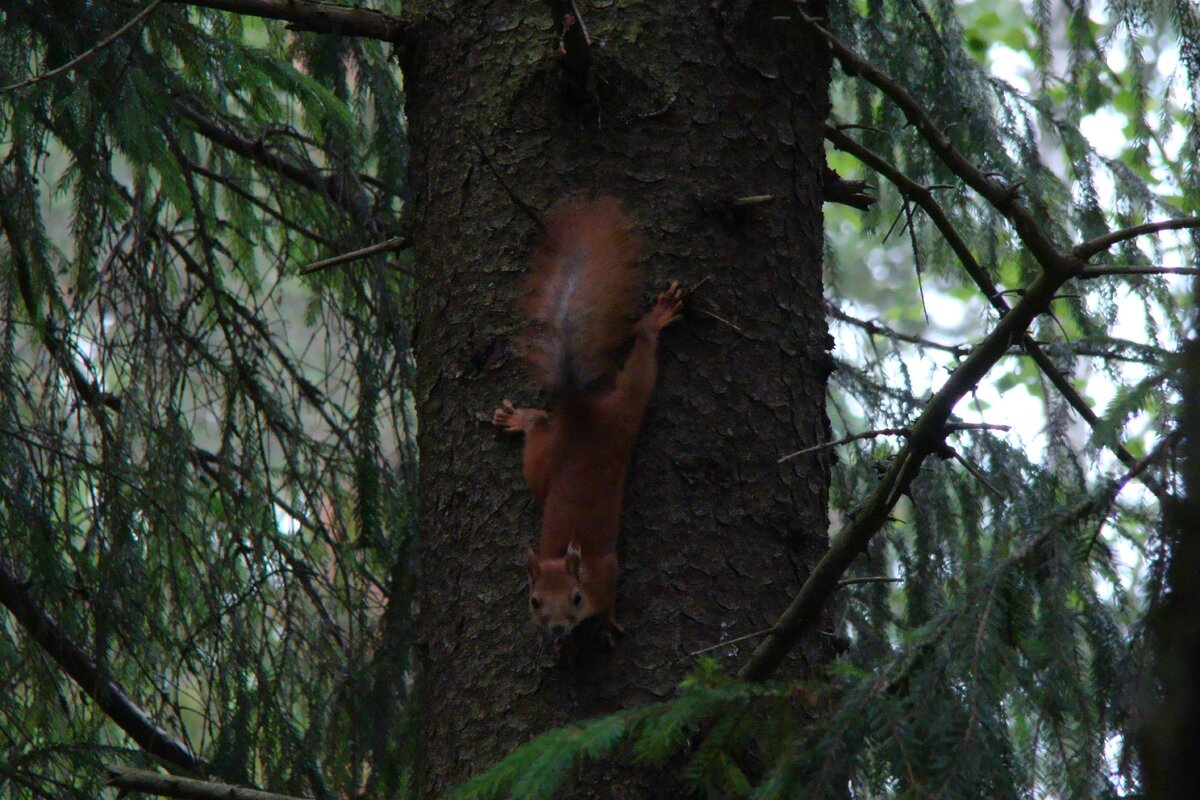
[{"x": 558, "y": 630}]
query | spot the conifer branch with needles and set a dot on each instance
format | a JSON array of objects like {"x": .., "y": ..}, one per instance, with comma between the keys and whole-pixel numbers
[
  {"x": 87, "y": 54},
  {"x": 925, "y": 438},
  {"x": 925, "y": 199},
  {"x": 45, "y": 631}
]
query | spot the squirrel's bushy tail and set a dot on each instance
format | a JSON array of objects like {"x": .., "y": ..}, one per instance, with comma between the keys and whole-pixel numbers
[{"x": 582, "y": 293}]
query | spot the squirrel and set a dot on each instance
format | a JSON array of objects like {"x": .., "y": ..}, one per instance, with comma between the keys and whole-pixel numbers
[{"x": 580, "y": 299}]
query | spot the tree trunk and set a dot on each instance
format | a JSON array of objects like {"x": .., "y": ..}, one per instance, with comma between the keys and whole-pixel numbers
[{"x": 691, "y": 107}]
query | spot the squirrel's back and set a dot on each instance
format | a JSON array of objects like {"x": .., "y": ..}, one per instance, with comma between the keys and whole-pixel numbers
[{"x": 582, "y": 293}]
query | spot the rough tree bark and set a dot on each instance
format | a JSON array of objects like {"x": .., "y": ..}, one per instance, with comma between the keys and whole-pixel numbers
[{"x": 691, "y": 107}]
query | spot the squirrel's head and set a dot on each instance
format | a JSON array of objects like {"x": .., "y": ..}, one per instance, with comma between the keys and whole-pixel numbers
[{"x": 557, "y": 598}]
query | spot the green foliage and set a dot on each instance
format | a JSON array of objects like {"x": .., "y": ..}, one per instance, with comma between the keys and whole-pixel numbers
[{"x": 186, "y": 422}]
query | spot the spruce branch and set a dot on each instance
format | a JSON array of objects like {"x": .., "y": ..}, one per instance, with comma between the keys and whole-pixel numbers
[
  {"x": 96, "y": 398},
  {"x": 45, "y": 631},
  {"x": 233, "y": 187},
  {"x": 87, "y": 54},
  {"x": 925, "y": 438},
  {"x": 1101, "y": 243},
  {"x": 140, "y": 780},
  {"x": 330, "y": 186},
  {"x": 317, "y": 17},
  {"x": 1002, "y": 197},
  {"x": 923, "y": 197}
]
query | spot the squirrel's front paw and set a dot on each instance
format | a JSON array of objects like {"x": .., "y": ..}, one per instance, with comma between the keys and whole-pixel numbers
[
  {"x": 514, "y": 419},
  {"x": 669, "y": 306}
]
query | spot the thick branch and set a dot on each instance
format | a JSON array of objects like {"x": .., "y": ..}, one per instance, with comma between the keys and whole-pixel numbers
[
  {"x": 49, "y": 636},
  {"x": 305, "y": 15},
  {"x": 836, "y": 189},
  {"x": 1101, "y": 243},
  {"x": 925, "y": 438},
  {"x": 140, "y": 780},
  {"x": 1135, "y": 269}
]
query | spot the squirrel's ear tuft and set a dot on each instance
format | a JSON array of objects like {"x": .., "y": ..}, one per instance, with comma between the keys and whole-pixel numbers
[
  {"x": 531, "y": 563},
  {"x": 573, "y": 559}
]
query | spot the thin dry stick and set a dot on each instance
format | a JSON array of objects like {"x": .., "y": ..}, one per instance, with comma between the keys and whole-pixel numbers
[
  {"x": 869, "y": 579},
  {"x": 951, "y": 427},
  {"x": 718, "y": 318},
  {"x": 719, "y": 645},
  {"x": 87, "y": 54},
  {"x": 876, "y": 329},
  {"x": 752, "y": 200},
  {"x": 395, "y": 243},
  {"x": 846, "y": 440},
  {"x": 976, "y": 473}
]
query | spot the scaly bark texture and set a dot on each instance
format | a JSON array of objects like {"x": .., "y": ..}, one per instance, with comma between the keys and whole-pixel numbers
[{"x": 694, "y": 105}]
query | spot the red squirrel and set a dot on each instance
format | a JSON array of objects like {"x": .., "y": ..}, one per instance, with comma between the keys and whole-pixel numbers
[{"x": 581, "y": 296}]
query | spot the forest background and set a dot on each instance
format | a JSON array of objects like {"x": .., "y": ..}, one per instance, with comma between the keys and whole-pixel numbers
[{"x": 210, "y": 502}]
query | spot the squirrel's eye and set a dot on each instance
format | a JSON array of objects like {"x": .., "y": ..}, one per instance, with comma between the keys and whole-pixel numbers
[
  {"x": 577, "y": 598},
  {"x": 534, "y": 602}
]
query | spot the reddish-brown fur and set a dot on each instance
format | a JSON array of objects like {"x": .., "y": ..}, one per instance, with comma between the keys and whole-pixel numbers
[{"x": 581, "y": 295}]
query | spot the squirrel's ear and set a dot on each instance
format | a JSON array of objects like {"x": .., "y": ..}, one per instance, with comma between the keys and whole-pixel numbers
[
  {"x": 531, "y": 563},
  {"x": 573, "y": 559}
]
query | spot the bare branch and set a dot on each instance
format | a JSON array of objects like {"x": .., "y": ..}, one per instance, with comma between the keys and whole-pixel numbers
[
  {"x": 1136, "y": 269},
  {"x": 395, "y": 243},
  {"x": 52, "y": 639},
  {"x": 734, "y": 640},
  {"x": 846, "y": 440},
  {"x": 305, "y": 15},
  {"x": 869, "y": 579},
  {"x": 952, "y": 427},
  {"x": 232, "y": 186},
  {"x": 975, "y": 472},
  {"x": 87, "y": 54},
  {"x": 1101, "y": 243},
  {"x": 876, "y": 329},
  {"x": 139, "y": 780}
]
